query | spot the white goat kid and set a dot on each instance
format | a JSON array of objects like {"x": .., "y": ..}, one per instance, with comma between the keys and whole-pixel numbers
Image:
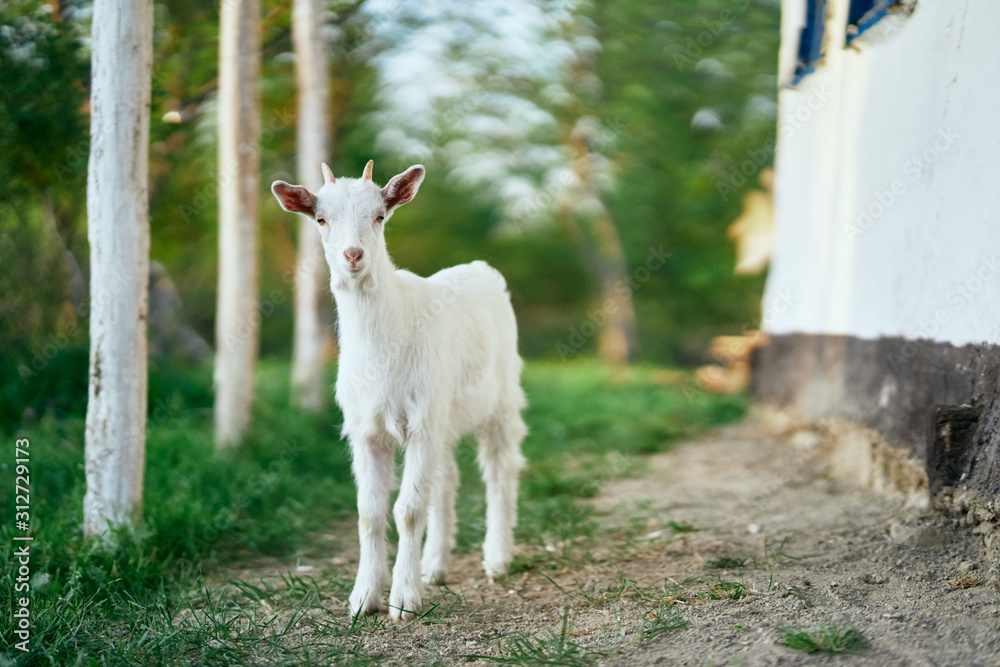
[{"x": 423, "y": 361}]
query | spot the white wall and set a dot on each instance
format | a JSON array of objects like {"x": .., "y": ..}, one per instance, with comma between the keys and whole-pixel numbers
[{"x": 926, "y": 84}]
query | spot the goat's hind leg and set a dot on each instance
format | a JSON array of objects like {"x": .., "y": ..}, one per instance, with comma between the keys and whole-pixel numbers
[
  {"x": 419, "y": 466},
  {"x": 500, "y": 461},
  {"x": 441, "y": 522}
]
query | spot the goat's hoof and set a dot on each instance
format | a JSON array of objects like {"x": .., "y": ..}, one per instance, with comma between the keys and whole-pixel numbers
[
  {"x": 495, "y": 570},
  {"x": 404, "y": 607},
  {"x": 401, "y": 615},
  {"x": 365, "y": 601},
  {"x": 434, "y": 576}
]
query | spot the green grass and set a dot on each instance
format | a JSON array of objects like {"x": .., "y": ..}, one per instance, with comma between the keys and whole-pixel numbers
[
  {"x": 682, "y": 527},
  {"x": 146, "y": 598},
  {"x": 727, "y": 562},
  {"x": 825, "y": 639},
  {"x": 728, "y": 590},
  {"x": 662, "y": 621},
  {"x": 626, "y": 588},
  {"x": 545, "y": 649}
]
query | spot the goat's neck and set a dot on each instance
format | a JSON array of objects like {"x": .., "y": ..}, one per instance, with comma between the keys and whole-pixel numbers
[{"x": 369, "y": 312}]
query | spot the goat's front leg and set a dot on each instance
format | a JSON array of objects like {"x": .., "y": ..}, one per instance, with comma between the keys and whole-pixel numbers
[
  {"x": 374, "y": 472},
  {"x": 419, "y": 470}
]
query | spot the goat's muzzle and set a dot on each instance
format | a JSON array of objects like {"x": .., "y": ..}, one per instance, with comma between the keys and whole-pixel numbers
[{"x": 353, "y": 256}]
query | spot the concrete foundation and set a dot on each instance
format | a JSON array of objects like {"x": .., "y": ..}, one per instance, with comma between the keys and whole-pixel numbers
[{"x": 912, "y": 417}]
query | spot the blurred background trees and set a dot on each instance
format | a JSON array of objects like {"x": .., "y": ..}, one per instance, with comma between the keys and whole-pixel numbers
[
  {"x": 549, "y": 130},
  {"x": 312, "y": 83}
]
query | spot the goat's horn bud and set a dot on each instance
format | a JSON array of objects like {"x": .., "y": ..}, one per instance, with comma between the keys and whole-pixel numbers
[
  {"x": 368, "y": 170},
  {"x": 327, "y": 174}
]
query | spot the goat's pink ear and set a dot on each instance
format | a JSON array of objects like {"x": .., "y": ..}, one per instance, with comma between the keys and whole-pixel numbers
[
  {"x": 294, "y": 198},
  {"x": 402, "y": 188}
]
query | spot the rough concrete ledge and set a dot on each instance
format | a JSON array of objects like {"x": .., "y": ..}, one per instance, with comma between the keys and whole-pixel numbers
[
  {"x": 852, "y": 453},
  {"x": 980, "y": 514},
  {"x": 860, "y": 456},
  {"x": 918, "y": 419},
  {"x": 937, "y": 402}
]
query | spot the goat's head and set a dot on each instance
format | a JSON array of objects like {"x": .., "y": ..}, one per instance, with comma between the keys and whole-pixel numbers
[{"x": 351, "y": 214}]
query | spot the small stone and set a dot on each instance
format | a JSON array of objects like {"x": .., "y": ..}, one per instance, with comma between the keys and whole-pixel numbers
[
  {"x": 984, "y": 528},
  {"x": 834, "y": 584},
  {"x": 753, "y": 528},
  {"x": 919, "y": 536}
]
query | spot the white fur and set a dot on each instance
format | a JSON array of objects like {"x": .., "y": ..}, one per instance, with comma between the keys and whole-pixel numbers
[{"x": 423, "y": 361}]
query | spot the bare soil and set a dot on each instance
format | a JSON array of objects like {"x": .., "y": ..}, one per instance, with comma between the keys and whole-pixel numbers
[{"x": 815, "y": 552}]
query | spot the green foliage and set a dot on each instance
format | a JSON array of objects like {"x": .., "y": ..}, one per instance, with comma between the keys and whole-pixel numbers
[
  {"x": 826, "y": 639},
  {"x": 44, "y": 146},
  {"x": 37, "y": 323},
  {"x": 661, "y": 63},
  {"x": 43, "y": 134},
  {"x": 52, "y": 382}
]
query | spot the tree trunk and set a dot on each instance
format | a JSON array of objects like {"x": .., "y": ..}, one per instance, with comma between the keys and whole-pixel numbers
[
  {"x": 310, "y": 338},
  {"x": 237, "y": 315},
  {"x": 118, "y": 231},
  {"x": 617, "y": 342},
  {"x": 600, "y": 250},
  {"x": 589, "y": 223},
  {"x": 76, "y": 289}
]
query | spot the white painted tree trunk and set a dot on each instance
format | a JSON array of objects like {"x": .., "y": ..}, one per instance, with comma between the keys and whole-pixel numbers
[
  {"x": 311, "y": 337},
  {"x": 118, "y": 231},
  {"x": 237, "y": 314}
]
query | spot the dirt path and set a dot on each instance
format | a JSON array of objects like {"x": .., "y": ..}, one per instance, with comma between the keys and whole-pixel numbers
[{"x": 813, "y": 551}]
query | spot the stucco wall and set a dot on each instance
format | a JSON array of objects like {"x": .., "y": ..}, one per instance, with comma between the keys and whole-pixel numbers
[{"x": 905, "y": 126}]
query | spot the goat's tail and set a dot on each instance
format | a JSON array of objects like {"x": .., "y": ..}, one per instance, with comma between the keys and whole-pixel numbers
[{"x": 480, "y": 265}]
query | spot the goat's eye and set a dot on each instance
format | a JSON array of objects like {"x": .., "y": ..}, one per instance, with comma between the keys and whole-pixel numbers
[
  {"x": 380, "y": 218},
  {"x": 321, "y": 221}
]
